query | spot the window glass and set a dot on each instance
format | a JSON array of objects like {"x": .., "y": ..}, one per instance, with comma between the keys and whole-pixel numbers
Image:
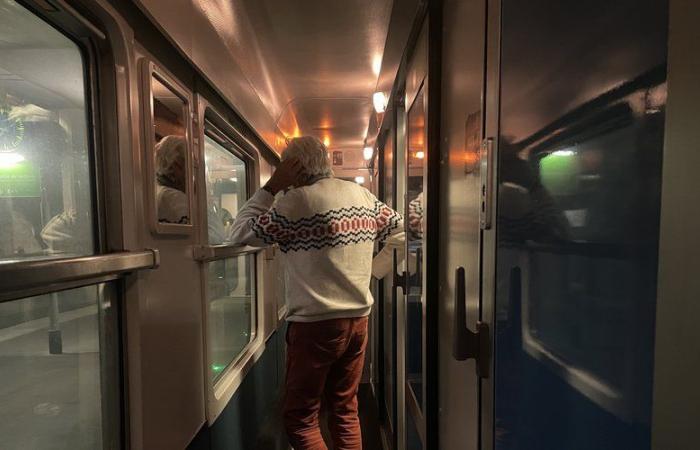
[
  {"x": 169, "y": 119},
  {"x": 231, "y": 318},
  {"x": 417, "y": 151},
  {"x": 579, "y": 185},
  {"x": 45, "y": 183},
  {"x": 226, "y": 188},
  {"x": 388, "y": 287},
  {"x": 50, "y": 379}
]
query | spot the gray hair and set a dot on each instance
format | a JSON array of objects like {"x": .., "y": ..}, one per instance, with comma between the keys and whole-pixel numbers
[
  {"x": 312, "y": 155},
  {"x": 169, "y": 150}
]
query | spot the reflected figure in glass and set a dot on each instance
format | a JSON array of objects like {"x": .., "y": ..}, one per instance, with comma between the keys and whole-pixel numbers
[
  {"x": 171, "y": 180},
  {"x": 579, "y": 182}
]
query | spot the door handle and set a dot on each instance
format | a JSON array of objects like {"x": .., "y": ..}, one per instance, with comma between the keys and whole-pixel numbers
[
  {"x": 399, "y": 279},
  {"x": 468, "y": 344}
]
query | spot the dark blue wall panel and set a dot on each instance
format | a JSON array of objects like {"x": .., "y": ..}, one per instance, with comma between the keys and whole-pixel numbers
[{"x": 252, "y": 413}]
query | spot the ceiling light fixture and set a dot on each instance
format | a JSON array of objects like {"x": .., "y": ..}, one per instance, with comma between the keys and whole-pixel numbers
[{"x": 379, "y": 101}]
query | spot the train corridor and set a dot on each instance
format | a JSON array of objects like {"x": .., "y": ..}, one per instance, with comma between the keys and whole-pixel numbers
[{"x": 503, "y": 189}]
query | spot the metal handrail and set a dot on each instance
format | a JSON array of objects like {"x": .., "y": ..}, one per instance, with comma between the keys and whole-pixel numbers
[
  {"x": 208, "y": 253},
  {"x": 42, "y": 275}
]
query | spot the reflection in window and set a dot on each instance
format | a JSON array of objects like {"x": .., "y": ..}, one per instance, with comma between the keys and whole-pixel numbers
[
  {"x": 599, "y": 269},
  {"x": 416, "y": 205},
  {"x": 231, "y": 316},
  {"x": 579, "y": 174},
  {"x": 50, "y": 370},
  {"x": 226, "y": 188},
  {"x": 169, "y": 115},
  {"x": 45, "y": 183}
]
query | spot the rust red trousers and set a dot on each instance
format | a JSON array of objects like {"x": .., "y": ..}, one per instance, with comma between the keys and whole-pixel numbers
[{"x": 324, "y": 363}]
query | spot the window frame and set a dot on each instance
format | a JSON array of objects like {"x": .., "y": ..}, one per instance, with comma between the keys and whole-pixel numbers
[
  {"x": 151, "y": 70},
  {"x": 220, "y": 392}
]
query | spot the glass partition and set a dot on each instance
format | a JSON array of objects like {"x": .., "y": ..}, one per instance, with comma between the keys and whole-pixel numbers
[{"x": 46, "y": 188}]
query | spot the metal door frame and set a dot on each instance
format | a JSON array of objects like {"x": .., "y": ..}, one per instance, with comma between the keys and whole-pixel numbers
[
  {"x": 399, "y": 325},
  {"x": 387, "y": 418},
  {"x": 424, "y": 63},
  {"x": 675, "y": 403},
  {"x": 487, "y": 305}
]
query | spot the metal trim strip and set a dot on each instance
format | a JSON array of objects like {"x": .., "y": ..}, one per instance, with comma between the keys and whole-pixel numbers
[
  {"x": 26, "y": 278},
  {"x": 208, "y": 253}
]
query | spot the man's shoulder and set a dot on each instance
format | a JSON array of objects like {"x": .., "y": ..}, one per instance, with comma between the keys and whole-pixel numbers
[
  {"x": 326, "y": 194},
  {"x": 341, "y": 190}
]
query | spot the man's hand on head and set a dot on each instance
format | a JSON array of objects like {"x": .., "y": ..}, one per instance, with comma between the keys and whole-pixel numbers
[{"x": 288, "y": 173}]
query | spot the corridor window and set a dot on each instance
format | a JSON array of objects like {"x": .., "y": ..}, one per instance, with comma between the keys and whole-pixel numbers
[
  {"x": 46, "y": 188},
  {"x": 227, "y": 190},
  {"x": 231, "y": 290}
]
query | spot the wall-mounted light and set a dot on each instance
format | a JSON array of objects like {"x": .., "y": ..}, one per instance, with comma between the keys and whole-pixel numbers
[
  {"x": 420, "y": 154},
  {"x": 360, "y": 180},
  {"x": 367, "y": 153},
  {"x": 379, "y": 101},
  {"x": 326, "y": 141}
]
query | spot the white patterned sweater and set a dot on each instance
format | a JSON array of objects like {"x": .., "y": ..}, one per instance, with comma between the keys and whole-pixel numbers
[{"x": 326, "y": 232}]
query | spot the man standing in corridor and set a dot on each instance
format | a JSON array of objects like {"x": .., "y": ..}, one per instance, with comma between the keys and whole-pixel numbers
[{"x": 326, "y": 229}]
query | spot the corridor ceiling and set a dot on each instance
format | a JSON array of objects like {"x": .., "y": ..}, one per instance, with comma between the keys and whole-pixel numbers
[{"x": 313, "y": 63}]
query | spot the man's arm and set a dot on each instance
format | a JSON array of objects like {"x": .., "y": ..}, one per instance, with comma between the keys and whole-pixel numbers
[
  {"x": 250, "y": 226},
  {"x": 390, "y": 231},
  {"x": 242, "y": 230}
]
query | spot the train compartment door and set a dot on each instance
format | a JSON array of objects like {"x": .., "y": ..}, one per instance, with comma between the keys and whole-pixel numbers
[
  {"x": 463, "y": 38},
  {"x": 571, "y": 257}
]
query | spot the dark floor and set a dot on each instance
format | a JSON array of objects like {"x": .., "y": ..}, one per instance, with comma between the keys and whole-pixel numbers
[
  {"x": 273, "y": 438},
  {"x": 369, "y": 419}
]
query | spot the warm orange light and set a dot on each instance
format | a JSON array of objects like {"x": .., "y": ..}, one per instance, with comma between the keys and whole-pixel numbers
[
  {"x": 326, "y": 141},
  {"x": 420, "y": 154},
  {"x": 376, "y": 64}
]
